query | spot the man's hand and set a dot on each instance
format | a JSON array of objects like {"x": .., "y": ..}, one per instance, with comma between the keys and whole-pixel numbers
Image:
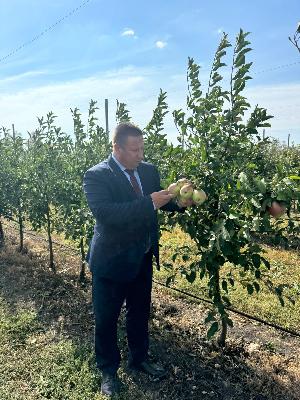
[{"x": 161, "y": 198}]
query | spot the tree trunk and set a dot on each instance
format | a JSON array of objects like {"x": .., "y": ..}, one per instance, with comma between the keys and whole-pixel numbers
[
  {"x": 51, "y": 258},
  {"x": 21, "y": 231},
  {"x": 82, "y": 275},
  {"x": 223, "y": 334},
  {"x": 1, "y": 235}
]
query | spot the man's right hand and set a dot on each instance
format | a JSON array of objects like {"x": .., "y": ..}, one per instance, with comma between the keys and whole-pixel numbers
[{"x": 161, "y": 198}]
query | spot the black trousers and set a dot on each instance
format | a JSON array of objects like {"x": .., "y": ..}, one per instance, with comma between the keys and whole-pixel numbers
[{"x": 108, "y": 298}]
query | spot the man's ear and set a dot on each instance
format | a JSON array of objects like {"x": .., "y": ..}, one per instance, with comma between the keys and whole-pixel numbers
[{"x": 116, "y": 148}]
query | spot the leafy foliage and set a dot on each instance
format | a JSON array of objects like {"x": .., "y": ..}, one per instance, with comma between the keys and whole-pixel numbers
[
  {"x": 219, "y": 149},
  {"x": 217, "y": 155}
]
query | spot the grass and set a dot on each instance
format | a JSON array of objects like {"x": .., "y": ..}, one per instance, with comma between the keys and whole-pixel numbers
[
  {"x": 37, "y": 364},
  {"x": 285, "y": 270},
  {"x": 46, "y": 341}
]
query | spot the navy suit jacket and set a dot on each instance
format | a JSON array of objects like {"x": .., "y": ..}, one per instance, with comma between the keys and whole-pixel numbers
[{"x": 124, "y": 221}]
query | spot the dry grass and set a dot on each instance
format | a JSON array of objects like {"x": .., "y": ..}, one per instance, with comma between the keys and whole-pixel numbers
[
  {"x": 46, "y": 338},
  {"x": 285, "y": 269}
]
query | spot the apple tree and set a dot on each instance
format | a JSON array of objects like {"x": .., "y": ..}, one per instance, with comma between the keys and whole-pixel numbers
[
  {"x": 91, "y": 145},
  {"x": 48, "y": 177},
  {"x": 13, "y": 181},
  {"x": 217, "y": 143}
]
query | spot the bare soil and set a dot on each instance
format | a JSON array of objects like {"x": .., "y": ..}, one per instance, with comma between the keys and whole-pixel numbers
[{"x": 258, "y": 362}]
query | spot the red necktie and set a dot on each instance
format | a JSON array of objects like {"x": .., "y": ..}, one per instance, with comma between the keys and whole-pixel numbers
[{"x": 134, "y": 182}]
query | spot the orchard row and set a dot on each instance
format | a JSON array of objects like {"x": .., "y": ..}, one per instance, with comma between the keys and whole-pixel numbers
[{"x": 234, "y": 175}]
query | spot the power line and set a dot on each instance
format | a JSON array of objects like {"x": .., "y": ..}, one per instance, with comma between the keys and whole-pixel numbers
[
  {"x": 253, "y": 73},
  {"x": 277, "y": 67},
  {"x": 49, "y": 28}
]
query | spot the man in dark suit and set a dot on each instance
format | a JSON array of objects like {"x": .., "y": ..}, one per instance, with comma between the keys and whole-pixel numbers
[{"x": 124, "y": 195}]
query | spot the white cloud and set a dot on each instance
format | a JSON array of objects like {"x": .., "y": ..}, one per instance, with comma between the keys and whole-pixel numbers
[
  {"x": 281, "y": 101},
  {"x": 28, "y": 74},
  {"x": 127, "y": 32},
  {"x": 160, "y": 45},
  {"x": 138, "y": 88},
  {"x": 23, "y": 107}
]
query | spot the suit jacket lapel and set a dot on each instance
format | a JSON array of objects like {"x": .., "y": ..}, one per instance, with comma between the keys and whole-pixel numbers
[
  {"x": 121, "y": 178},
  {"x": 144, "y": 180}
]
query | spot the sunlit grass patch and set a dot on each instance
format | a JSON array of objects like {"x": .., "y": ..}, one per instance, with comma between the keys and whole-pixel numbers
[
  {"x": 285, "y": 271},
  {"x": 37, "y": 364}
]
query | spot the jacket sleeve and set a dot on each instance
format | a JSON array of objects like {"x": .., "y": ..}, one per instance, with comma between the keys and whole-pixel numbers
[{"x": 108, "y": 212}]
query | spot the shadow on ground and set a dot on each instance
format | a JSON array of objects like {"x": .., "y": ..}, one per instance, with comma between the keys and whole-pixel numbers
[{"x": 197, "y": 369}]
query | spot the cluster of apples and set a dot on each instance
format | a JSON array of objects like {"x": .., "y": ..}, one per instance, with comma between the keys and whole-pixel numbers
[{"x": 186, "y": 194}]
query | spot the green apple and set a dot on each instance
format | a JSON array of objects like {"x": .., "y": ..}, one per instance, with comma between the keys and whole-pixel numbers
[
  {"x": 174, "y": 188},
  {"x": 199, "y": 196},
  {"x": 186, "y": 192},
  {"x": 183, "y": 181},
  {"x": 185, "y": 202}
]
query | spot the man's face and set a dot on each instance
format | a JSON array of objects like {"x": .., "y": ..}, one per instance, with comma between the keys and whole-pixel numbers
[{"x": 132, "y": 153}]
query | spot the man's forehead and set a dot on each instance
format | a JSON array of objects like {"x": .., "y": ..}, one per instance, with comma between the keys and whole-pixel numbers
[{"x": 135, "y": 140}]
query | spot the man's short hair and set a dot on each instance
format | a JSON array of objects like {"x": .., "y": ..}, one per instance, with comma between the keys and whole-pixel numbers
[{"x": 123, "y": 130}]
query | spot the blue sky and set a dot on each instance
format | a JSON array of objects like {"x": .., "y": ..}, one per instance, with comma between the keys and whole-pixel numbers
[{"x": 129, "y": 50}]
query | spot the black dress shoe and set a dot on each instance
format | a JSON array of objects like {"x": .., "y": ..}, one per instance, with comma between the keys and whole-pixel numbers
[
  {"x": 110, "y": 384},
  {"x": 149, "y": 368}
]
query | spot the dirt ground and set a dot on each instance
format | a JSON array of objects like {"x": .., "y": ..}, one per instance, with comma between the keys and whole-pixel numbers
[{"x": 258, "y": 363}]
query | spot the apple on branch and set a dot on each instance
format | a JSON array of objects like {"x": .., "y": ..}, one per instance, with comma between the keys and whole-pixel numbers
[
  {"x": 183, "y": 181},
  {"x": 199, "y": 196},
  {"x": 185, "y": 193},
  {"x": 185, "y": 202},
  {"x": 276, "y": 209},
  {"x": 174, "y": 188}
]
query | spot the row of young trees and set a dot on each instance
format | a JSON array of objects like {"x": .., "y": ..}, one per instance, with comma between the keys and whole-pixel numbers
[
  {"x": 219, "y": 150},
  {"x": 41, "y": 177}
]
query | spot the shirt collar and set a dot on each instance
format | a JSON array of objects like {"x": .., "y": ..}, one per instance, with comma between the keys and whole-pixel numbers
[{"x": 118, "y": 163}]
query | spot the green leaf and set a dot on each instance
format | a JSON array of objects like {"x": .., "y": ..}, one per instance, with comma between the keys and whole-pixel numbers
[
  {"x": 266, "y": 262},
  {"x": 250, "y": 289},
  {"x": 257, "y": 274},
  {"x": 213, "y": 329},
  {"x": 203, "y": 152},
  {"x": 256, "y": 286},
  {"x": 255, "y": 203},
  {"x": 210, "y": 317},
  {"x": 240, "y": 60},
  {"x": 170, "y": 280},
  {"x": 256, "y": 259},
  {"x": 225, "y": 286},
  {"x": 281, "y": 301},
  {"x": 251, "y": 165},
  {"x": 225, "y": 234},
  {"x": 261, "y": 185},
  {"x": 191, "y": 277},
  {"x": 234, "y": 215},
  {"x": 174, "y": 256},
  {"x": 202, "y": 273}
]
